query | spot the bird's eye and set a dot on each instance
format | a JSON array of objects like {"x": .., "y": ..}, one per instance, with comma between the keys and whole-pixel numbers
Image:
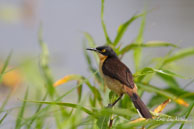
[{"x": 103, "y": 50}]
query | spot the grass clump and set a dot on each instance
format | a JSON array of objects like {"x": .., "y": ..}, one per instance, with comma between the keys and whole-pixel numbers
[{"x": 88, "y": 111}]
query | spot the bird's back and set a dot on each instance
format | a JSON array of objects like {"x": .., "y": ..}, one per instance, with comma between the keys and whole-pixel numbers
[{"x": 115, "y": 69}]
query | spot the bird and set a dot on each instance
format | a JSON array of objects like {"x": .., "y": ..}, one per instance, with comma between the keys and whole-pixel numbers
[{"x": 118, "y": 78}]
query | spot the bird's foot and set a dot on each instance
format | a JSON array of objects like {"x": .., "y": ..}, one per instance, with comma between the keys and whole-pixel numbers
[{"x": 109, "y": 106}]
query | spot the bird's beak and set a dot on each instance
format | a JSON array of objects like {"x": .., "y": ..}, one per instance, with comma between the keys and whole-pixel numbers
[{"x": 92, "y": 49}]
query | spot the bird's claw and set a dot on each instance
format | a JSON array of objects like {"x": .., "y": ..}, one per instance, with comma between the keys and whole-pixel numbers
[{"x": 109, "y": 106}]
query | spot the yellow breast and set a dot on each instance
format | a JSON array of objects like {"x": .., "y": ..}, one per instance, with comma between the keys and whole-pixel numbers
[{"x": 111, "y": 83}]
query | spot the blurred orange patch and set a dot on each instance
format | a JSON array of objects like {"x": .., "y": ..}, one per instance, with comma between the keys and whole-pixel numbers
[
  {"x": 182, "y": 102},
  {"x": 68, "y": 78},
  {"x": 12, "y": 78}
]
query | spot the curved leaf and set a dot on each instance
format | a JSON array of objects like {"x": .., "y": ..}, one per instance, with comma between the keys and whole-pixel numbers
[
  {"x": 3, "y": 118},
  {"x": 44, "y": 59},
  {"x": 179, "y": 55},
  {"x": 123, "y": 27},
  {"x": 148, "y": 44},
  {"x": 21, "y": 112},
  {"x": 5, "y": 65},
  {"x": 148, "y": 70},
  {"x": 67, "y": 79},
  {"x": 187, "y": 115},
  {"x": 137, "y": 54},
  {"x": 65, "y": 104},
  {"x": 103, "y": 24},
  {"x": 169, "y": 95},
  {"x": 161, "y": 107},
  {"x": 143, "y": 122}
]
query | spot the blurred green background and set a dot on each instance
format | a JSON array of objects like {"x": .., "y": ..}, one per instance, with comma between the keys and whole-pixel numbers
[{"x": 25, "y": 25}]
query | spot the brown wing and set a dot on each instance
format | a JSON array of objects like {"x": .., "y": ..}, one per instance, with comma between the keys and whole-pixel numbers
[{"x": 114, "y": 68}]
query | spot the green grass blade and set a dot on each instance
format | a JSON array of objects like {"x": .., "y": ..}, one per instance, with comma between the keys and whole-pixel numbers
[
  {"x": 117, "y": 111},
  {"x": 148, "y": 70},
  {"x": 21, "y": 112},
  {"x": 123, "y": 27},
  {"x": 93, "y": 70},
  {"x": 82, "y": 80},
  {"x": 180, "y": 55},
  {"x": 146, "y": 45},
  {"x": 90, "y": 39},
  {"x": 159, "y": 91},
  {"x": 65, "y": 104},
  {"x": 153, "y": 126},
  {"x": 37, "y": 110},
  {"x": 5, "y": 102},
  {"x": 170, "y": 80},
  {"x": 95, "y": 92},
  {"x": 89, "y": 62},
  {"x": 154, "y": 89},
  {"x": 103, "y": 24},
  {"x": 43, "y": 111},
  {"x": 44, "y": 65},
  {"x": 5, "y": 66},
  {"x": 32, "y": 74},
  {"x": 65, "y": 94},
  {"x": 3, "y": 118},
  {"x": 187, "y": 115},
  {"x": 145, "y": 122},
  {"x": 139, "y": 40},
  {"x": 168, "y": 73},
  {"x": 92, "y": 44},
  {"x": 160, "y": 44},
  {"x": 90, "y": 65},
  {"x": 171, "y": 125},
  {"x": 79, "y": 91},
  {"x": 159, "y": 65},
  {"x": 102, "y": 122},
  {"x": 156, "y": 100}
]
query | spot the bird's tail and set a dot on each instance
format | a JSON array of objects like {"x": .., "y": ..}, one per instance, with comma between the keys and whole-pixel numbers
[{"x": 139, "y": 105}]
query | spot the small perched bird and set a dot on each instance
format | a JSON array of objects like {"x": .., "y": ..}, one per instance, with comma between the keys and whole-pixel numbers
[{"x": 118, "y": 78}]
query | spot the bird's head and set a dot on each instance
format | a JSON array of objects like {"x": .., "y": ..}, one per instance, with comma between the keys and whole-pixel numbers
[{"x": 104, "y": 51}]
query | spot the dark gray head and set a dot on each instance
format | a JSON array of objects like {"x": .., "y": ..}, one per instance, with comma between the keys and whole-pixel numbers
[{"x": 104, "y": 50}]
